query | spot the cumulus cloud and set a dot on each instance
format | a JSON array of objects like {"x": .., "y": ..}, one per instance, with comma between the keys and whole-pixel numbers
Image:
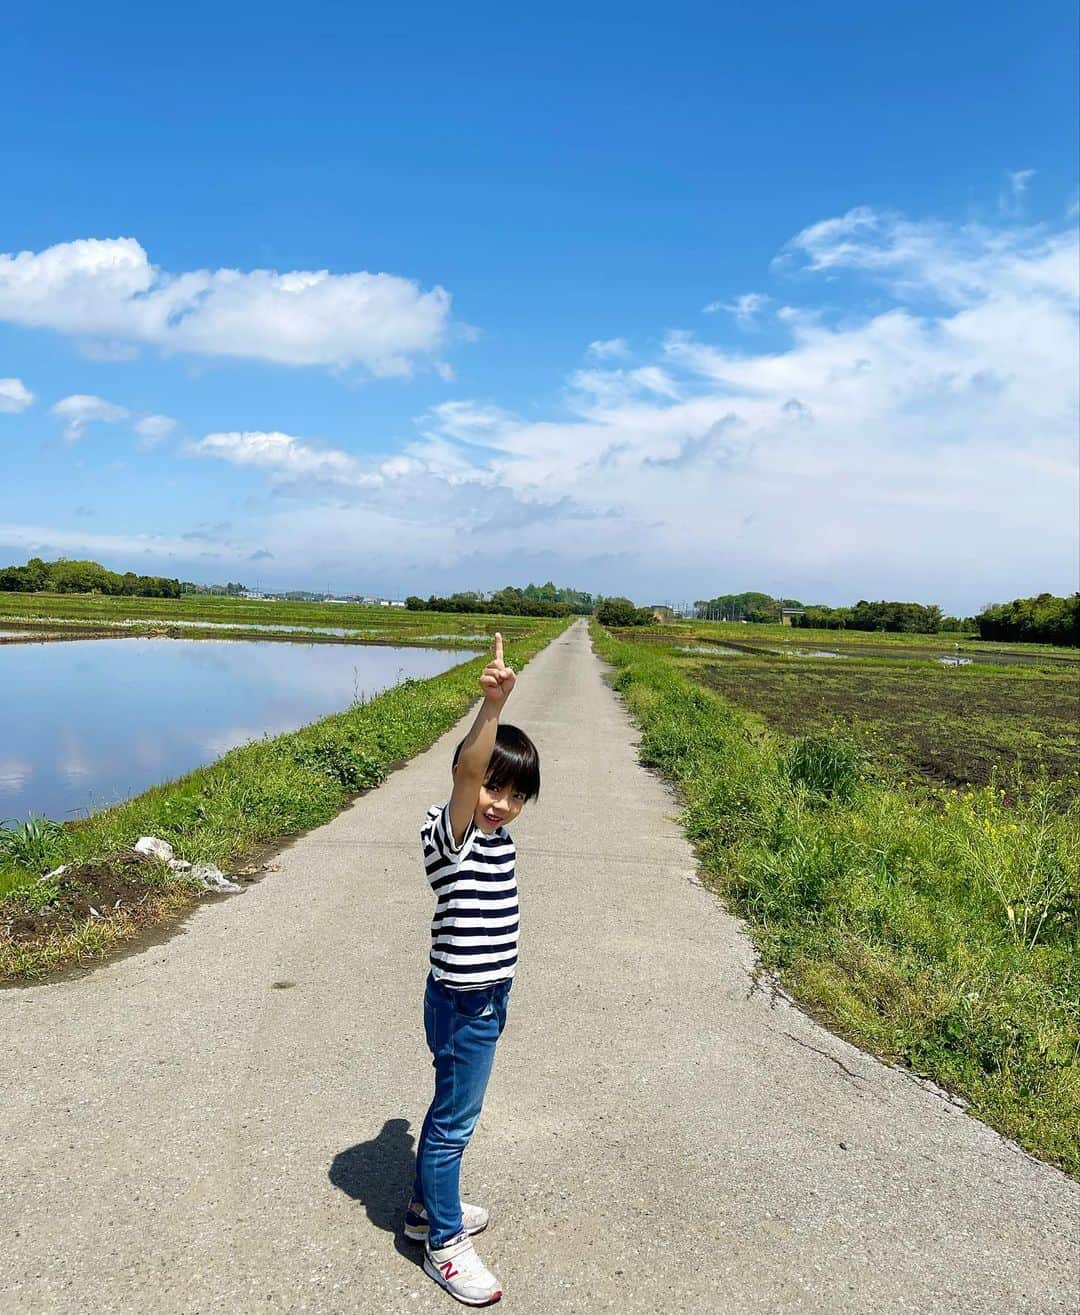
[
  {"x": 14, "y": 395},
  {"x": 82, "y": 409},
  {"x": 284, "y": 456},
  {"x": 106, "y": 291},
  {"x": 605, "y": 349}
]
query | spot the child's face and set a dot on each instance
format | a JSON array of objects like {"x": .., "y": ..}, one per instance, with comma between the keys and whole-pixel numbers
[{"x": 496, "y": 807}]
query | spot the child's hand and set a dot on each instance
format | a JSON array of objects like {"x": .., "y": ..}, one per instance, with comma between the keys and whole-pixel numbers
[{"x": 497, "y": 679}]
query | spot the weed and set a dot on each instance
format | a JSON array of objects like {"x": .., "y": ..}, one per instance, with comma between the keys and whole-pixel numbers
[
  {"x": 827, "y": 765},
  {"x": 35, "y": 844}
]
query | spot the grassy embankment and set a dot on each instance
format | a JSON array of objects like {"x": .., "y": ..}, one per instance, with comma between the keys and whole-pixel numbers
[
  {"x": 228, "y": 618},
  {"x": 934, "y": 926},
  {"x": 250, "y": 799}
]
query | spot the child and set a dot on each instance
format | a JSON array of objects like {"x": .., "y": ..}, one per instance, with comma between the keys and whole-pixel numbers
[{"x": 474, "y": 935}]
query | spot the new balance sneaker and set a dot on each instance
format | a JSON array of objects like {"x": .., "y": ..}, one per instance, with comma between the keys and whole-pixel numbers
[
  {"x": 457, "y": 1268},
  {"x": 474, "y": 1219}
]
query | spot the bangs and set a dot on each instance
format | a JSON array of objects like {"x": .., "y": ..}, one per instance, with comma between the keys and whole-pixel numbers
[{"x": 514, "y": 761}]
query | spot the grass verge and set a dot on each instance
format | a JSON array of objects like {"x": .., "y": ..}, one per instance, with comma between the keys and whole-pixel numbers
[
  {"x": 935, "y": 927},
  {"x": 253, "y": 797}
]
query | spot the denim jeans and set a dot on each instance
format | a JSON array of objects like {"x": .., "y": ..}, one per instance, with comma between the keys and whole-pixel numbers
[{"x": 461, "y": 1028}]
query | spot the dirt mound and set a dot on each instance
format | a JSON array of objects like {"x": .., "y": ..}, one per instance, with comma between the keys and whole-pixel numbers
[{"x": 93, "y": 890}]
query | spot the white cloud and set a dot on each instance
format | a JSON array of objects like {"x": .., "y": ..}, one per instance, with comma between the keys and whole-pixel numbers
[
  {"x": 606, "y": 349},
  {"x": 965, "y": 265},
  {"x": 471, "y": 422},
  {"x": 151, "y": 429},
  {"x": 1019, "y": 179},
  {"x": 14, "y": 395},
  {"x": 285, "y": 456},
  {"x": 82, "y": 409},
  {"x": 107, "y": 291},
  {"x": 607, "y": 388},
  {"x": 745, "y": 308},
  {"x": 1012, "y": 198}
]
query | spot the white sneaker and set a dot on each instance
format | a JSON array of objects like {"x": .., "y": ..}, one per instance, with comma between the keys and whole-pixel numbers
[
  {"x": 458, "y": 1269},
  {"x": 474, "y": 1219}
]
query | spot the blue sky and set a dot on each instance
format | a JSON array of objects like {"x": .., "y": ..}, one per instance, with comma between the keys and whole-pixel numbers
[{"x": 673, "y": 300}]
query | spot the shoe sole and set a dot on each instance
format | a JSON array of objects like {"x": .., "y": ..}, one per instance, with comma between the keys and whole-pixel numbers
[
  {"x": 421, "y": 1235},
  {"x": 432, "y": 1272}
]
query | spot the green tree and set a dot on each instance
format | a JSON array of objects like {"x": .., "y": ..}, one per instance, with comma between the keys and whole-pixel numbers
[{"x": 622, "y": 612}]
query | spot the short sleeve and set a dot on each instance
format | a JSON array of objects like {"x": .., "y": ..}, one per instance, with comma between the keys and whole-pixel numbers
[{"x": 439, "y": 835}]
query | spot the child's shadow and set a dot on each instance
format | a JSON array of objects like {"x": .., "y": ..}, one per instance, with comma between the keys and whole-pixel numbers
[{"x": 379, "y": 1173}]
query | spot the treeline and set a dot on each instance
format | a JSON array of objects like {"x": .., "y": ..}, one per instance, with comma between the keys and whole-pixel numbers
[
  {"x": 229, "y": 590},
  {"x": 533, "y": 600},
  {"x": 897, "y": 618},
  {"x": 76, "y": 577},
  {"x": 1044, "y": 619},
  {"x": 757, "y": 608}
]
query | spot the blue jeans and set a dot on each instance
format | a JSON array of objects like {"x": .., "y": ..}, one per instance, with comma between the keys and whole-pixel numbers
[{"x": 461, "y": 1028}]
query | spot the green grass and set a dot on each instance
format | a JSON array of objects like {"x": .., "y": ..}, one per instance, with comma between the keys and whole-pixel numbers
[
  {"x": 261, "y": 793},
  {"x": 937, "y": 927}
]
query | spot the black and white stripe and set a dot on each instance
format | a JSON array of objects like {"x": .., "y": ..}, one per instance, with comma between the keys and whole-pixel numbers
[{"x": 474, "y": 933}]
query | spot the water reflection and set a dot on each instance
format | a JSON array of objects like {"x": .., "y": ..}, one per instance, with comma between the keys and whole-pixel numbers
[
  {"x": 90, "y": 722},
  {"x": 14, "y": 773}
]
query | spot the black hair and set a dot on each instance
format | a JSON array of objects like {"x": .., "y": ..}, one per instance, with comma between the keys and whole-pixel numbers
[{"x": 514, "y": 761}]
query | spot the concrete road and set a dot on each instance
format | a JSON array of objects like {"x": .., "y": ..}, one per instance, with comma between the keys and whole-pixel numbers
[{"x": 224, "y": 1122}]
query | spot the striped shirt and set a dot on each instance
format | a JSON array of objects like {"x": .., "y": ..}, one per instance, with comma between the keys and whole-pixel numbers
[{"x": 474, "y": 933}]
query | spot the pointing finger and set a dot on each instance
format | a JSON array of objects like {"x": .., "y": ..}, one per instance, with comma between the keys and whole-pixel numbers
[{"x": 498, "y": 648}]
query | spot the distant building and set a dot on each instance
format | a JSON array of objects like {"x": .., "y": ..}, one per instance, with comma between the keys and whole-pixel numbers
[
  {"x": 788, "y": 615},
  {"x": 661, "y": 612}
]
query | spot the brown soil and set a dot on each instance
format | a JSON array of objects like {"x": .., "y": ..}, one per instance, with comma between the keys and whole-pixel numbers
[
  {"x": 950, "y": 727},
  {"x": 126, "y": 883}
]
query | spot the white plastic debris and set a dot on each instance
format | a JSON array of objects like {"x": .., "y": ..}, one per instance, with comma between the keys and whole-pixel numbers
[
  {"x": 213, "y": 878},
  {"x": 55, "y": 872},
  {"x": 154, "y": 847},
  {"x": 208, "y": 874}
]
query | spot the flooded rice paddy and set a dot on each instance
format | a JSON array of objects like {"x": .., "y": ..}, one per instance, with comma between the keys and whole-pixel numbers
[{"x": 93, "y": 721}]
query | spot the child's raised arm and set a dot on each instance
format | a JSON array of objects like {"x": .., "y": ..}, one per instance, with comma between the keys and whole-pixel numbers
[{"x": 496, "y": 680}]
